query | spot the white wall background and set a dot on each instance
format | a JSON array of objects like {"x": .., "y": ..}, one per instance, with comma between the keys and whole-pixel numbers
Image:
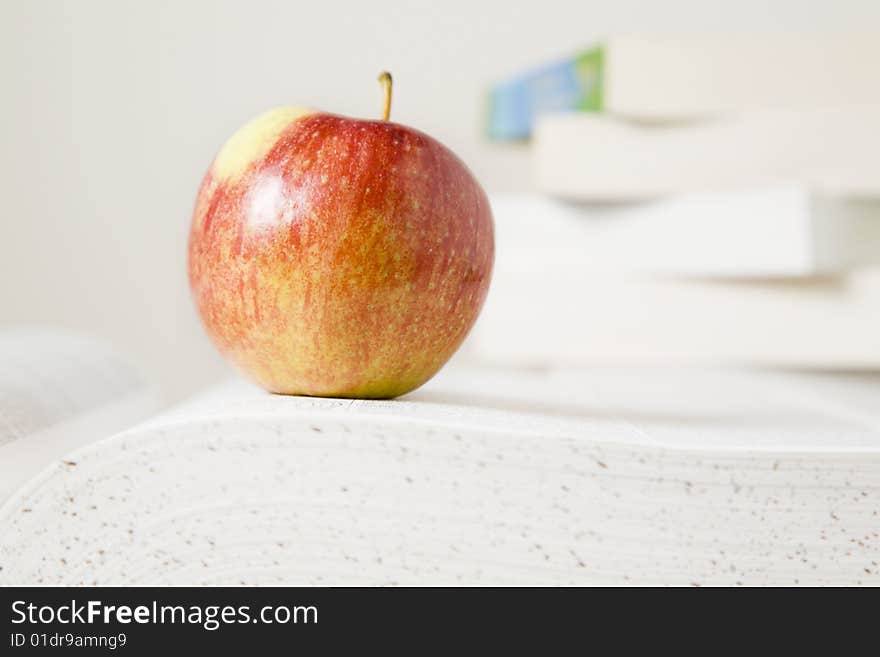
[{"x": 110, "y": 111}]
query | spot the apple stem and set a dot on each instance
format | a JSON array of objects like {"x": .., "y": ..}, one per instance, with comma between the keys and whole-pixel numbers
[{"x": 385, "y": 81}]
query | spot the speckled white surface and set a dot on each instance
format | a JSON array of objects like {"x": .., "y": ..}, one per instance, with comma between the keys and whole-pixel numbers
[{"x": 490, "y": 477}]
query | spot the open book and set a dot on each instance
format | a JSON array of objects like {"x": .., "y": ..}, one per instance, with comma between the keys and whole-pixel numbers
[{"x": 481, "y": 477}]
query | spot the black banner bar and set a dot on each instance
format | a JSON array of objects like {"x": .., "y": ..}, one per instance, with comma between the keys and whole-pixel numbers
[{"x": 177, "y": 620}]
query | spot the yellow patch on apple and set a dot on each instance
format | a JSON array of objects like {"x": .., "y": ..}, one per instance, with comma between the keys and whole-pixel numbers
[{"x": 253, "y": 140}]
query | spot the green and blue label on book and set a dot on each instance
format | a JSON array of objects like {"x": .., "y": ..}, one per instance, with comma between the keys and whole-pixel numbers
[{"x": 574, "y": 84}]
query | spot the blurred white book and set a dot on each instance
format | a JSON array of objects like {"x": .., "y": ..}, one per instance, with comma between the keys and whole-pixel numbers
[
  {"x": 683, "y": 77},
  {"x": 59, "y": 391},
  {"x": 785, "y": 231},
  {"x": 593, "y": 157},
  {"x": 552, "y": 317}
]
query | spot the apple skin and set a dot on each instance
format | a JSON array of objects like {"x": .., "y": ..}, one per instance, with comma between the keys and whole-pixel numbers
[{"x": 337, "y": 257}]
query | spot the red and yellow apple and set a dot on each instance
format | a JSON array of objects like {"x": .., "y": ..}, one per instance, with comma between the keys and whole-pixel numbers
[{"x": 332, "y": 256}]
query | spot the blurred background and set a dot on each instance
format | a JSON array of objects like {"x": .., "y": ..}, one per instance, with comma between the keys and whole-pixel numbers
[{"x": 112, "y": 110}]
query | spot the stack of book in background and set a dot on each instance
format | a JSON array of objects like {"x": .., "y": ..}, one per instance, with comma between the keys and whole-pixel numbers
[{"x": 700, "y": 200}]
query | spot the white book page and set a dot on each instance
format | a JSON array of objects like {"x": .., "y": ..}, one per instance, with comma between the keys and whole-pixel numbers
[
  {"x": 701, "y": 409},
  {"x": 58, "y": 392}
]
